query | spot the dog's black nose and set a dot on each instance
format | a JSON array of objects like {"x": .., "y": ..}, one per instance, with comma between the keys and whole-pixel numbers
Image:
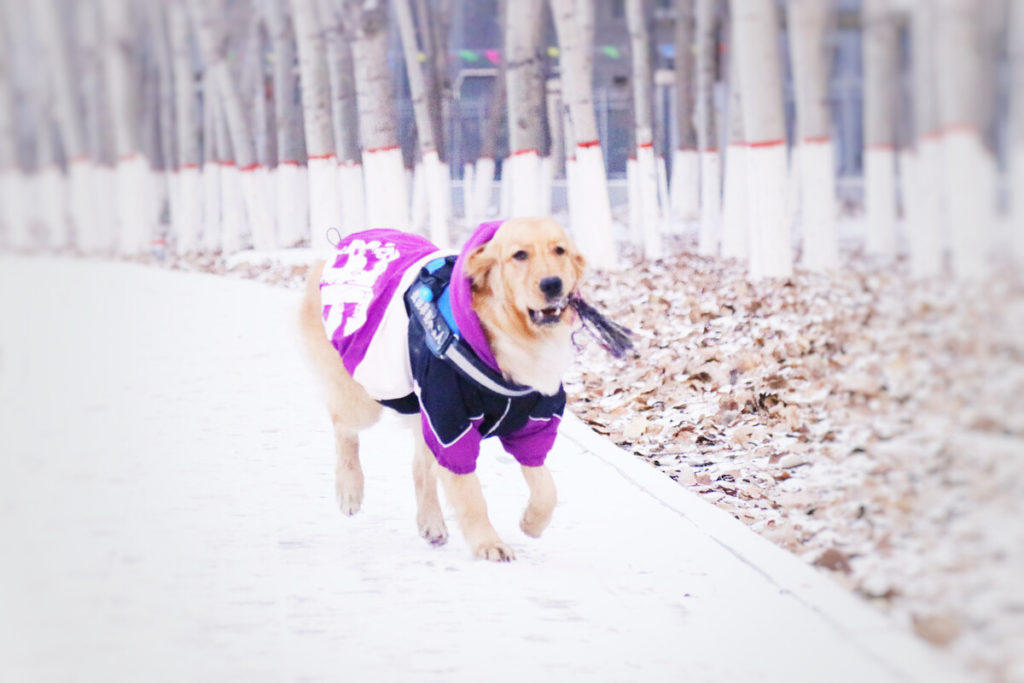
[{"x": 551, "y": 286}]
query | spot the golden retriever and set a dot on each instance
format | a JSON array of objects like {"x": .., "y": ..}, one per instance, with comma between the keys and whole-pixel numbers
[{"x": 521, "y": 281}]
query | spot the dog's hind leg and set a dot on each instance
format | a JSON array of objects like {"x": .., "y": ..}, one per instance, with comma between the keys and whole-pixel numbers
[
  {"x": 543, "y": 498},
  {"x": 465, "y": 495},
  {"x": 429, "y": 517},
  {"x": 350, "y": 407},
  {"x": 348, "y": 473}
]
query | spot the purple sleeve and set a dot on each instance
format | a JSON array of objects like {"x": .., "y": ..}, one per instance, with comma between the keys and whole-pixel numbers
[
  {"x": 459, "y": 455},
  {"x": 530, "y": 445}
]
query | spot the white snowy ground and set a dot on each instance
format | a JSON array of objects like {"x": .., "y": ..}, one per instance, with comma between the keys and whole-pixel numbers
[{"x": 167, "y": 513}]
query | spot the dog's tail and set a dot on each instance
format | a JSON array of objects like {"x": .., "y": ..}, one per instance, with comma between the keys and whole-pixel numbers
[{"x": 310, "y": 317}]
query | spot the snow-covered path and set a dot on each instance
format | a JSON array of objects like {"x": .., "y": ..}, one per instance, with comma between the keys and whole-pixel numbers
[{"x": 167, "y": 513}]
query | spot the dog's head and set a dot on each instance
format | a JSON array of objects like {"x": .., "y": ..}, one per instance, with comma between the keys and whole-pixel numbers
[{"x": 527, "y": 271}]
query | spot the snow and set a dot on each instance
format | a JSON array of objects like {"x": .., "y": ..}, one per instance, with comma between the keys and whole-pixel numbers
[{"x": 167, "y": 507}]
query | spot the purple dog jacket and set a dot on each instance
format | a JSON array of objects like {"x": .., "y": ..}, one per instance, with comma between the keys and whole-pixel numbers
[{"x": 366, "y": 320}]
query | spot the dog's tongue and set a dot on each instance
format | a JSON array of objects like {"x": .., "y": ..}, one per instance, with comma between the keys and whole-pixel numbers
[{"x": 462, "y": 297}]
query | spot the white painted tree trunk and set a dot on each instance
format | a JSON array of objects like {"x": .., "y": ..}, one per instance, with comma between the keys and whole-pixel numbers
[
  {"x": 188, "y": 214},
  {"x": 969, "y": 168},
  {"x": 1016, "y": 142},
  {"x": 256, "y": 208},
  {"x": 212, "y": 224},
  {"x": 808, "y": 21},
  {"x": 735, "y": 212},
  {"x": 709, "y": 235},
  {"x": 590, "y": 215},
  {"x": 55, "y": 47},
  {"x": 634, "y": 202},
  {"x": 925, "y": 214},
  {"x": 760, "y": 66},
  {"x": 524, "y": 80},
  {"x": 646, "y": 170},
  {"x": 880, "y": 49},
  {"x": 483, "y": 186},
  {"x": 232, "y": 196},
  {"x": 345, "y": 117},
  {"x": 324, "y": 205},
  {"x": 135, "y": 221},
  {"x": 387, "y": 199},
  {"x": 434, "y": 171},
  {"x": 685, "y": 179},
  {"x": 469, "y": 218},
  {"x": 709, "y": 230},
  {"x": 290, "y": 176},
  {"x": 291, "y": 185}
]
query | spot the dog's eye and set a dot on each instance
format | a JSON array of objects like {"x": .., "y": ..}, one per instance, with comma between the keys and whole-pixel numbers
[
  {"x": 520, "y": 255},
  {"x": 559, "y": 250}
]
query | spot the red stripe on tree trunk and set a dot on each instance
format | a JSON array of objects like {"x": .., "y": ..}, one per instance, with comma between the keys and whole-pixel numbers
[
  {"x": 250, "y": 167},
  {"x": 520, "y": 152},
  {"x": 817, "y": 141},
  {"x": 766, "y": 143},
  {"x": 381, "y": 149},
  {"x": 589, "y": 143},
  {"x": 320, "y": 156},
  {"x": 645, "y": 145}
]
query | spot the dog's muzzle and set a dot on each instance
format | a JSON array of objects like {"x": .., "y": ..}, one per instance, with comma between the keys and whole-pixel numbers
[{"x": 549, "y": 315}]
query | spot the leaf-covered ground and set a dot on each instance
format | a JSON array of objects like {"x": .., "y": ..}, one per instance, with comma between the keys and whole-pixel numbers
[{"x": 870, "y": 424}]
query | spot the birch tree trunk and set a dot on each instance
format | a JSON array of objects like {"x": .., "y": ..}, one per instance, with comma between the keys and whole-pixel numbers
[
  {"x": 587, "y": 182},
  {"x": 524, "y": 80},
  {"x": 58, "y": 60},
  {"x": 290, "y": 179},
  {"x": 135, "y": 221},
  {"x": 707, "y": 129},
  {"x": 426, "y": 125},
  {"x": 434, "y": 19},
  {"x": 756, "y": 25},
  {"x": 880, "y": 50},
  {"x": 685, "y": 181},
  {"x": 97, "y": 129},
  {"x": 925, "y": 205},
  {"x": 387, "y": 199},
  {"x": 211, "y": 170},
  {"x": 808, "y": 21},
  {"x": 12, "y": 232},
  {"x": 735, "y": 210},
  {"x": 646, "y": 170},
  {"x": 188, "y": 218},
  {"x": 345, "y": 117},
  {"x": 483, "y": 176},
  {"x": 212, "y": 48},
  {"x": 324, "y": 205},
  {"x": 969, "y": 168},
  {"x": 1016, "y": 137}
]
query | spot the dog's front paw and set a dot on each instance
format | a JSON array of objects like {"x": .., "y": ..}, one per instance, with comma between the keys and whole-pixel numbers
[
  {"x": 495, "y": 551},
  {"x": 533, "y": 524},
  {"x": 350, "y": 494},
  {"x": 432, "y": 528}
]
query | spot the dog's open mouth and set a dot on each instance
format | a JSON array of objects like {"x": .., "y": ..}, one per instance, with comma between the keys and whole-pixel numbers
[{"x": 549, "y": 315}]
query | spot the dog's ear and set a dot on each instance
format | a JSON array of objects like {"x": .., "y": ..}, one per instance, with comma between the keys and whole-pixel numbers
[
  {"x": 578, "y": 262},
  {"x": 478, "y": 264}
]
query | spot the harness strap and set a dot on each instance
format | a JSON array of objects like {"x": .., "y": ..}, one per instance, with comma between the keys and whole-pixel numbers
[{"x": 428, "y": 301}]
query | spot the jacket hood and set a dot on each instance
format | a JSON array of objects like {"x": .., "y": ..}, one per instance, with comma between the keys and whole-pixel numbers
[{"x": 462, "y": 296}]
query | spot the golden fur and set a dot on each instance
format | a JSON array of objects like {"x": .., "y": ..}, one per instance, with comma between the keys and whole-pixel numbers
[{"x": 507, "y": 275}]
